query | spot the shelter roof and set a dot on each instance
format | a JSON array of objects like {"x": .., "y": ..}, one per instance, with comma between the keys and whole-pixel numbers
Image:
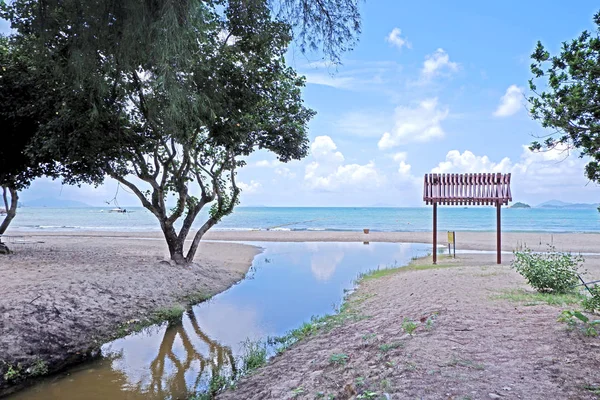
[{"x": 467, "y": 189}]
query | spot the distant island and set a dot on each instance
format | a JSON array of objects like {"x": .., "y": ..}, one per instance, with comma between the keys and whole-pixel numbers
[
  {"x": 562, "y": 204},
  {"x": 520, "y": 205}
]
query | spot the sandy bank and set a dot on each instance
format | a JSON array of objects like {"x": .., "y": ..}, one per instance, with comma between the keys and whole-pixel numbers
[
  {"x": 479, "y": 344},
  {"x": 63, "y": 297},
  {"x": 575, "y": 242}
]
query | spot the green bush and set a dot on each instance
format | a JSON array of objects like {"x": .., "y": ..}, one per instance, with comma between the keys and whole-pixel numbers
[
  {"x": 552, "y": 271},
  {"x": 592, "y": 303}
]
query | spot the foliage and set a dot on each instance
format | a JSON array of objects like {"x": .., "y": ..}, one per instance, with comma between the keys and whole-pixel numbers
[
  {"x": 409, "y": 326},
  {"x": 551, "y": 271},
  {"x": 39, "y": 368},
  {"x": 592, "y": 303},
  {"x": 338, "y": 359},
  {"x": 569, "y": 103},
  {"x": 575, "y": 318},
  {"x": 13, "y": 373},
  {"x": 534, "y": 298},
  {"x": 254, "y": 357},
  {"x": 175, "y": 94},
  {"x": 25, "y": 104}
]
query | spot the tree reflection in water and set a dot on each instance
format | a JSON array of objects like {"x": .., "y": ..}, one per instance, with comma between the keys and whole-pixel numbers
[{"x": 169, "y": 382}]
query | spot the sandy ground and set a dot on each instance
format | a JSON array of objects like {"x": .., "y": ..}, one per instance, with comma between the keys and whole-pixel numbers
[
  {"x": 575, "y": 242},
  {"x": 63, "y": 297},
  {"x": 479, "y": 346},
  {"x": 63, "y": 294}
]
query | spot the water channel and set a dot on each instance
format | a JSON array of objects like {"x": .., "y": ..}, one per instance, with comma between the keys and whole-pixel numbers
[{"x": 288, "y": 284}]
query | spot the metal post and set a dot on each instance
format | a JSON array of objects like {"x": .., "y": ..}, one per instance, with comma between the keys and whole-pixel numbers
[
  {"x": 434, "y": 232},
  {"x": 498, "y": 233}
]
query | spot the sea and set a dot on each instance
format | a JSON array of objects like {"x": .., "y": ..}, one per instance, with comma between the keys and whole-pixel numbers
[{"x": 319, "y": 219}]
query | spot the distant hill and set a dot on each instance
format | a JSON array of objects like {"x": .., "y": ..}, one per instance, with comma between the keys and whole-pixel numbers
[
  {"x": 562, "y": 204},
  {"x": 520, "y": 205},
  {"x": 54, "y": 202}
]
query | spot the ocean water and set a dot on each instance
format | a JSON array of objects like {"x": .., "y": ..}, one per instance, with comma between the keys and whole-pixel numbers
[{"x": 320, "y": 219}]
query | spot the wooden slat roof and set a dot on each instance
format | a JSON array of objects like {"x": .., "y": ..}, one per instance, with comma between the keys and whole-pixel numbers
[{"x": 467, "y": 189}]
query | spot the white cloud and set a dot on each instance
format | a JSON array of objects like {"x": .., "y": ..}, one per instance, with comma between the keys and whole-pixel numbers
[
  {"x": 249, "y": 188},
  {"x": 267, "y": 163},
  {"x": 467, "y": 162},
  {"x": 400, "y": 156},
  {"x": 328, "y": 171},
  {"x": 285, "y": 172},
  {"x": 436, "y": 64},
  {"x": 323, "y": 149},
  {"x": 396, "y": 40},
  {"x": 421, "y": 123},
  {"x": 554, "y": 173},
  {"x": 511, "y": 102}
]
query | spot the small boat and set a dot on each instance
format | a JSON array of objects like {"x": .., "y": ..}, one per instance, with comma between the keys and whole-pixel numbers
[{"x": 118, "y": 210}]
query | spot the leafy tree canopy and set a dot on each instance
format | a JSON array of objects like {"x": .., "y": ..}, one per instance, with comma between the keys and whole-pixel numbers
[
  {"x": 165, "y": 97},
  {"x": 570, "y": 101}
]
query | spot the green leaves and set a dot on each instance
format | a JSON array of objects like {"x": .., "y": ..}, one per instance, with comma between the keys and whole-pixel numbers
[
  {"x": 569, "y": 103},
  {"x": 550, "y": 271}
]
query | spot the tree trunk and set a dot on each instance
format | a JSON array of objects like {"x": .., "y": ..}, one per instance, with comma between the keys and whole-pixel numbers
[
  {"x": 174, "y": 243},
  {"x": 11, "y": 211},
  {"x": 196, "y": 242}
]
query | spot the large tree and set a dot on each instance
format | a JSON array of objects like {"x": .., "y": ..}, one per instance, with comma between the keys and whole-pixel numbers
[
  {"x": 24, "y": 105},
  {"x": 166, "y": 99},
  {"x": 569, "y": 102}
]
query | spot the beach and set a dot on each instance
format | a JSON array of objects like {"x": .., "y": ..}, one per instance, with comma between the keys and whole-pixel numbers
[
  {"x": 465, "y": 240},
  {"x": 66, "y": 293},
  {"x": 64, "y": 297}
]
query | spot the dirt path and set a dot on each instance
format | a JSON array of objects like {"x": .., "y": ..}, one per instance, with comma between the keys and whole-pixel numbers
[
  {"x": 479, "y": 344},
  {"x": 62, "y": 298}
]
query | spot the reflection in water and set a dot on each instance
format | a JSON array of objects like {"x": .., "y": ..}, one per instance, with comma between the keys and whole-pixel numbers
[
  {"x": 168, "y": 381},
  {"x": 289, "y": 283}
]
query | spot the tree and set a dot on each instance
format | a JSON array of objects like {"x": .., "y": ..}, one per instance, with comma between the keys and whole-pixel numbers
[
  {"x": 570, "y": 103},
  {"x": 167, "y": 101},
  {"x": 22, "y": 108}
]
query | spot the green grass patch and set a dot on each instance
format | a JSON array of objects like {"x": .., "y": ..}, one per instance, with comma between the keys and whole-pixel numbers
[{"x": 536, "y": 298}]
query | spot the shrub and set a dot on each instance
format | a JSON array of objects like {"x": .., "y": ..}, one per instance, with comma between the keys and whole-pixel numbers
[
  {"x": 254, "y": 357},
  {"x": 575, "y": 318},
  {"x": 552, "y": 271},
  {"x": 592, "y": 303}
]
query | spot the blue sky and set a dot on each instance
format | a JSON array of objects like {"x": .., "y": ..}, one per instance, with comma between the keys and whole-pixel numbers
[{"x": 432, "y": 86}]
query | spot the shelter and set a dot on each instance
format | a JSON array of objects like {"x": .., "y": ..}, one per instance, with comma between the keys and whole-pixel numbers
[{"x": 467, "y": 190}]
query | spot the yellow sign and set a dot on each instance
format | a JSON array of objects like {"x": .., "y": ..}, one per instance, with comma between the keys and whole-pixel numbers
[{"x": 450, "y": 237}]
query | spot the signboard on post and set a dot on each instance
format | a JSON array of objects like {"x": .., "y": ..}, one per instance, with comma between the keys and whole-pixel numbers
[{"x": 451, "y": 242}]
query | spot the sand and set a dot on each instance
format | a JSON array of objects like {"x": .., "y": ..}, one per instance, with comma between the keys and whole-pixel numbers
[
  {"x": 478, "y": 346},
  {"x": 61, "y": 298},
  {"x": 64, "y": 294},
  {"x": 575, "y": 242}
]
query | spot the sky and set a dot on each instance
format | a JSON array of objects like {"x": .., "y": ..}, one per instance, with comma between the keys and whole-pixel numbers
[{"x": 432, "y": 86}]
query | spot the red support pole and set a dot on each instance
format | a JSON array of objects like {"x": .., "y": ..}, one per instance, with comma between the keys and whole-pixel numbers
[
  {"x": 434, "y": 232},
  {"x": 498, "y": 233}
]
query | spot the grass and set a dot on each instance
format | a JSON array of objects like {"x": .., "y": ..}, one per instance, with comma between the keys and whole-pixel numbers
[
  {"x": 254, "y": 357},
  {"x": 13, "y": 373},
  {"x": 39, "y": 368},
  {"x": 338, "y": 359},
  {"x": 535, "y": 298},
  {"x": 171, "y": 315},
  {"x": 384, "y": 348},
  {"x": 409, "y": 326}
]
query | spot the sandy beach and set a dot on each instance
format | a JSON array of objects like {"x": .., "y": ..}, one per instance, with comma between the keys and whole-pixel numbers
[
  {"x": 574, "y": 242},
  {"x": 481, "y": 333},
  {"x": 64, "y": 294},
  {"x": 64, "y": 297}
]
